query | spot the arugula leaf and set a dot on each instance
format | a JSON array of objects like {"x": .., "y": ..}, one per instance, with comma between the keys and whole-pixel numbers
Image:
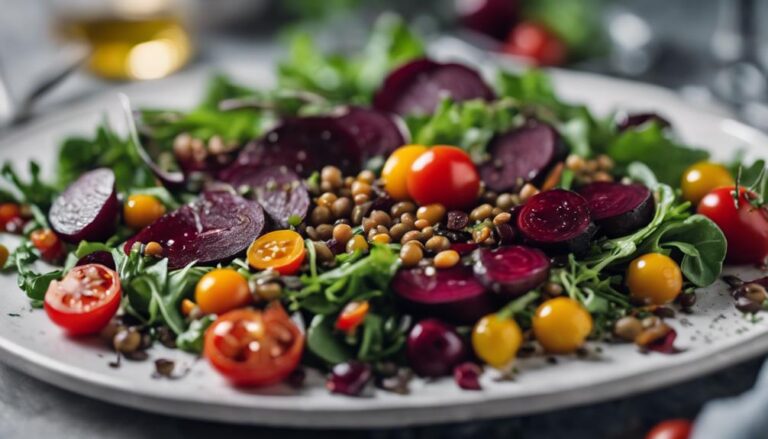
[
  {"x": 31, "y": 282},
  {"x": 650, "y": 145},
  {"x": 697, "y": 242},
  {"x": 35, "y": 192},
  {"x": 192, "y": 339},
  {"x": 322, "y": 341}
]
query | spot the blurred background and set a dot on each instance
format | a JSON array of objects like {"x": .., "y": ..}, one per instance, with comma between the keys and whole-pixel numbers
[{"x": 708, "y": 50}]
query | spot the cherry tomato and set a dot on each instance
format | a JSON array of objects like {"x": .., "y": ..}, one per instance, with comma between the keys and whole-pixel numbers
[
  {"x": 700, "y": 178},
  {"x": 85, "y": 300},
  {"x": 671, "y": 429},
  {"x": 8, "y": 213},
  {"x": 352, "y": 315},
  {"x": 140, "y": 211},
  {"x": 281, "y": 250},
  {"x": 496, "y": 340},
  {"x": 48, "y": 244},
  {"x": 444, "y": 175},
  {"x": 254, "y": 348},
  {"x": 561, "y": 325},
  {"x": 394, "y": 175},
  {"x": 745, "y": 228},
  {"x": 536, "y": 43},
  {"x": 654, "y": 278},
  {"x": 222, "y": 290}
]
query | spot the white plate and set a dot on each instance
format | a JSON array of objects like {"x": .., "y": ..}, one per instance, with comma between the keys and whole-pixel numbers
[{"x": 713, "y": 337}]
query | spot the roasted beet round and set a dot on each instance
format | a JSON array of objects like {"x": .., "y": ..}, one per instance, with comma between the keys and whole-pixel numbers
[
  {"x": 305, "y": 145},
  {"x": 558, "y": 220},
  {"x": 87, "y": 209},
  {"x": 100, "y": 257},
  {"x": 511, "y": 271},
  {"x": 434, "y": 348},
  {"x": 418, "y": 87},
  {"x": 279, "y": 190},
  {"x": 521, "y": 155},
  {"x": 453, "y": 294},
  {"x": 378, "y": 133},
  {"x": 619, "y": 209},
  {"x": 349, "y": 378},
  {"x": 216, "y": 227}
]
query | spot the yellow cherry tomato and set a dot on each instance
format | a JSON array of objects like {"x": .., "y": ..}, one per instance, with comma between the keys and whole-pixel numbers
[
  {"x": 654, "y": 278},
  {"x": 142, "y": 210},
  {"x": 561, "y": 325},
  {"x": 701, "y": 178},
  {"x": 496, "y": 340},
  {"x": 222, "y": 290},
  {"x": 396, "y": 170},
  {"x": 281, "y": 250}
]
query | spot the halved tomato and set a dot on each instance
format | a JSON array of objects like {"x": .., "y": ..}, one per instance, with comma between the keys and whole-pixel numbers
[
  {"x": 281, "y": 250},
  {"x": 254, "y": 348},
  {"x": 85, "y": 300}
]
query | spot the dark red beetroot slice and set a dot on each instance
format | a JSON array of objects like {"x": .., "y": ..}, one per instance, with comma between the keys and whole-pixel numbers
[
  {"x": 522, "y": 155},
  {"x": 305, "y": 145},
  {"x": 511, "y": 271},
  {"x": 87, "y": 209},
  {"x": 453, "y": 294},
  {"x": 377, "y": 133},
  {"x": 619, "y": 209},
  {"x": 418, "y": 87},
  {"x": 558, "y": 220},
  {"x": 280, "y": 191},
  {"x": 100, "y": 257},
  {"x": 216, "y": 227}
]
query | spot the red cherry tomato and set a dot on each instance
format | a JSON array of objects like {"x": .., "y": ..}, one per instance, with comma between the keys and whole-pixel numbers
[
  {"x": 8, "y": 212},
  {"x": 671, "y": 429},
  {"x": 254, "y": 348},
  {"x": 444, "y": 175},
  {"x": 535, "y": 42},
  {"x": 352, "y": 316},
  {"x": 745, "y": 228},
  {"x": 85, "y": 300},
  {"x": 48, "y": 244}
]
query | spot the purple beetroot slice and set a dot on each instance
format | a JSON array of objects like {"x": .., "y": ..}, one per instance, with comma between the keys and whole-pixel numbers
[
  {"x": 453, "y": 294},
  {"x": 558, "y": 220},
  {"x": 521, "y": 155},
  {"x": 511, "y": 271},
  {"x": 216, "y": 227},
  {"x": 305, "y": 145},
  {"x": 100, "y": 257},
  {"x": 418, "y": 87},
  {"x": 619, "y": 209},
  {"x": 378, "y": 133},
  {"x": 280, "y": 191},
  {"x": 87, "y": 209}
]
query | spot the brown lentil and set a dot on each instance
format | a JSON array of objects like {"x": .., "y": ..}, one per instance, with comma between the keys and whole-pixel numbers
[
  {"x": 413, "y": 235},
  {"x": 408, "y": 219},
  {"x": 348, "y": 180},
  {"x": 127, "y": 340},
  {"x": 398, "y": 230},
  {"x": 627, "y": 328},
  {"x": 411, "y": 254},
  {"x": 182, "y": 146},
  {"x": 331, "y": 175},
  {"x": 268, "y": 291},
  {"x": 505, "y": 201},
  {"x": 324, "y": 231},
  {"x": 366, "y": 176},
  {"x": 342, "y": 233},
  {"x": 320, "y": 215},
  {"x": 311, "y": 233},
  {"x": 361, "y": 199},
  {"x": 527, "y": 192},
  {"x": 496, "y": 211},
  {"x": 381, "y": 238},
  {"x": 502, "y": 218},
  {"x": 342, "y": 207},
  {"x": 361, "y": 188},
  {"x": 755, "y": 292},
  {"x": 326, "y": 199},
  {"x": 481, "y": 235},
  {"x": 446, "y": 259},
  {"x": 421, "y": 223},
  {"x": 427, "y": 232},
  {"x": 153, "y": 249},
  {"x": 402, "y": 207},
  {"x": 324, "y": 187},
  {"x": 381, "y": 218},
  {"x": 358, "y": 212},
  {"x": 604, "y": 162},
  {"x": 438, "y": 244},
  {"x": 324, "y": 254},
  {"x": 368, "y": 225},
  {"x": 481, "y": 212},
  {"x": 575, "y": 163},
  {"x": 601, "y": 176},
  {"x": 357, "y": 243},
  {"x": 552, "y": 289},
  {"x": 431, "y": 212}
]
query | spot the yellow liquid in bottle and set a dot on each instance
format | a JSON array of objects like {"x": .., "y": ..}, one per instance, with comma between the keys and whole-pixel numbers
[{"x": 132, "y": 48}]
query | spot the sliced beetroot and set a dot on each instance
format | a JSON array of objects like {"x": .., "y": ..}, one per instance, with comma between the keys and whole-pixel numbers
[
  {"x": 216, "y": 227},
  {"x": 305, "y": 145},
  {"x": 558, "y": 220},
  {"x": 87, "y": 209},
  {"x": 279, "y": 190},
  {"x": 100, "y": 257},
  {"x": 453, "y": 294},
  {"x": 521, "y": 155},
  {"x": 511, "y": 271},
  {"x": 619, "y": 209},
  {"x": 378, "y": 133},
  {"x": 418, "y": 87}
]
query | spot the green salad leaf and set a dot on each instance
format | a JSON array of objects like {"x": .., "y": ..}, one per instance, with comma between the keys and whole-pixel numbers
[
  {"x": 191, "y": 340},
  {"x": 35, "y": 191}
]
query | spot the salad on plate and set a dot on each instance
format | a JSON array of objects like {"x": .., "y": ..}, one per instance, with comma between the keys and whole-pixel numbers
[{"x": 380, "y": 216}]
